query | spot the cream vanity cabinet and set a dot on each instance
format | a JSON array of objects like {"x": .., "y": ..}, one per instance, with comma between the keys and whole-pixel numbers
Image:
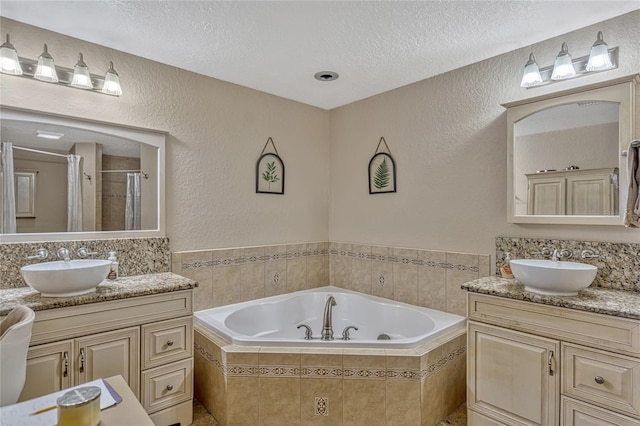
[
  {"x": 533, "y": 364},
  {"x": 592, "y": 192},
  {"x": 148, "y": 340}
]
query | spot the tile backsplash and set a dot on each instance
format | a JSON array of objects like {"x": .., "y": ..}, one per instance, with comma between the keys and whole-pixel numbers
[
  {"x": 618, "y": 263},
  {"x": 136, "y": 256}
]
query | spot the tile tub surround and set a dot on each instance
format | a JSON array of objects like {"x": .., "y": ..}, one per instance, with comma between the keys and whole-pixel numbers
[
  {"x": 136, "y": 256},
  {"x": 619, "y": 269},
  {"x": 426, "y": 278},
  {"x": 604, "y": 301},
  {"x": 236, "y": 275},
  {"x": 122, "y": 288},
  {"x": 242, "y": 385}
]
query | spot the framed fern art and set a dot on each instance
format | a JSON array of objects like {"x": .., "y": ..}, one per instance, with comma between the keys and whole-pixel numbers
[
  {"x": 382, "y": 171},
  {"x": 270, "y": 171}
]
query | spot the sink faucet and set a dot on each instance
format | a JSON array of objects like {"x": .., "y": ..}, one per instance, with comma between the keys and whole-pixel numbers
[
  {"x": 64, "y": 254},
  {"x": 327, "y": 327},
  {"x": 561, "y": 254},
  {"x": 41, "y": 253}
]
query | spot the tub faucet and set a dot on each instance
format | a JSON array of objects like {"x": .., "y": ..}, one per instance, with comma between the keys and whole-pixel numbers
[{"x": 327, "y": 327}]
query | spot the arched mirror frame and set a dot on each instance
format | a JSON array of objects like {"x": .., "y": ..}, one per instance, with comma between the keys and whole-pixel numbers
[
  {"x": 156, "y": 138},
  {"x": 621, "y": 91}
]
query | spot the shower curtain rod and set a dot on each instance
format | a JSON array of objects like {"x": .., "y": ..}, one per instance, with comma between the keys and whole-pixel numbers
[
  {"x": 144, "y": 175},
  {"x": 39, "y": 152}
]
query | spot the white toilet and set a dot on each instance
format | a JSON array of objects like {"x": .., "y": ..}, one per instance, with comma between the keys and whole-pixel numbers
[{"x": 15, "y": 335}]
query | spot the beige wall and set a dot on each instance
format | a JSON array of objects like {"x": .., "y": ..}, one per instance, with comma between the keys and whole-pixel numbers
[
  {"x": 447, "y": 135},
  {"x": 216, "y": 132},
  {"x": 449, "y": 140}
]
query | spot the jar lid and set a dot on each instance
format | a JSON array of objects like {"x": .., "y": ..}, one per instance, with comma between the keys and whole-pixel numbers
[{"x": 79, "y": 396}]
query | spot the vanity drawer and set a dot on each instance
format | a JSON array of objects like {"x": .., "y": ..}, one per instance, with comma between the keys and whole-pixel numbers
[
  {"x": 576, "y": 413},
  {"x": 166, "y": 341},
  {"x": 605, "y": 379},
  {"x": 168, "y": 385}
]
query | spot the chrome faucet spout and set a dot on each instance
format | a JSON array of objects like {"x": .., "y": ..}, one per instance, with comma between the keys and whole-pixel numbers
[{"x": 327, "y": 326}]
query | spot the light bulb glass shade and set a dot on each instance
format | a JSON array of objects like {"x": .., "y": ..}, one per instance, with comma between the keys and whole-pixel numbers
[
  {"x": 599, "y": 58},
  {"x": 563, "y": 67},
  {"x": 531, "y": 75},
  {"x": 9, "y": 63},
  {"x": 81, "y": 77},
  {"x": 111, "y": 82},
  {"x": 46, "y": 70}
]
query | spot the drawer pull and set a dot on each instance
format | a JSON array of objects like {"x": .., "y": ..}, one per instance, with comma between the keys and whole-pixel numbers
[
  {"x": 169, "y": 387},
  {"x": 170, "y": 343},
  {"x": 599, "y": 380}
]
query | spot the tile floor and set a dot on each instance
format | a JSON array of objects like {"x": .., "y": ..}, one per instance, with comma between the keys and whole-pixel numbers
[{"x": 201, "y": 417}]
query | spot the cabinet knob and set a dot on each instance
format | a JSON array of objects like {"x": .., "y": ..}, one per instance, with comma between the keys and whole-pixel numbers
[
  {"x": 170, "y": 343},
  {"x": 169, "y": 387},
  {"x": 599, "y": 380}
]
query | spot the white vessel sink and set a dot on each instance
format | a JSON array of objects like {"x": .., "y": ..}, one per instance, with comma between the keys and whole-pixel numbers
[
  {"x": 60, "y": 278},
  {"x": 554, "y": 278}
]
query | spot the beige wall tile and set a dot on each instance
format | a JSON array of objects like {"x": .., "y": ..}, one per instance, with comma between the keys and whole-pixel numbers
[
  {"x": 279, "y": 401},
  {"x": 432, "y": 284},
  {"x": 176, "y": 263},
  {"x": 243, "y": 401},
  {"x": 455, "y": 389},
  {"x": 381, "y": 272},
  {"x": 364, "y": 403},
  {"x": 341, "y": 266},
  {"x": 318, "y": 271},
  {"x": 456, "y": 276},
  {"x": 203, "y": 295},
  {"x": 332, "y": 390},
  {"x": 403, "y": 404},
  {"x": 361, "y": 269},
  {"x": 296, "y": 267},
  {"x": 484, "y": 265},
  {"x": 252, "y": 273},
  {"x": 275, "y": 270},
  {"x": 405, "y": 276}
]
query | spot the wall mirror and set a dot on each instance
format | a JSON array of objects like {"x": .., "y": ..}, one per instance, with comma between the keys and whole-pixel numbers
[
  {"x": 567, "y": 155},
  {"x": 116, "y": 190}
]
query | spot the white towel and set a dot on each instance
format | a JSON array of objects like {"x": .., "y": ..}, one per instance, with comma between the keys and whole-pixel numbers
[{"x": 632, "y": 213}]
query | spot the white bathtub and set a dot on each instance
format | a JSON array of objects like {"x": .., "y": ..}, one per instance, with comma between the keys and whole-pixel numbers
[{"x": 273, "y": 321}]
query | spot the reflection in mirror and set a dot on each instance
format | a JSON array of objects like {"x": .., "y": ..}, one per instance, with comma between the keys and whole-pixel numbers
[
  {"x": 566, "y": 151},
  {"x": 114, "y": 187},
  {"x": 566, "y": 160}
]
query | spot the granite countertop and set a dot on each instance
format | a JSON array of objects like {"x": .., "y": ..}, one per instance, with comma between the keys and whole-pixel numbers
[
  {"x": 618, "y": 303},
  {"x": 122, "y": 288}
]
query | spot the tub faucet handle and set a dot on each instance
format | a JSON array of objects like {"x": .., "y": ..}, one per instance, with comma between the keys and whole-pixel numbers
[
  {"x": 345, "y": 332},
  {"x": 308, "y": 334}
]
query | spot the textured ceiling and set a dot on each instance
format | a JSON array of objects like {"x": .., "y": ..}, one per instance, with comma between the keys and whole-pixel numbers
[{"x": 277, "y": 46}]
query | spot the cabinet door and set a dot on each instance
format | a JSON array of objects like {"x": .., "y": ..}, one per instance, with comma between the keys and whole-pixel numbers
[
  {"x": 513, "y": 377},
  {"x": 546, "y": 196},
  {"x": 108, "y": 354},
  {"x": 49, "y": 369},
  {"x": 590, "y": 195}
]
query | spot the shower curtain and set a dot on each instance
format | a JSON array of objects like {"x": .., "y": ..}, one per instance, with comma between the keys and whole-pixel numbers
[
  {"x": 74, "y": 194},
  {"x": 8, "y": 225},
  {"x": 132, "y": 207}
]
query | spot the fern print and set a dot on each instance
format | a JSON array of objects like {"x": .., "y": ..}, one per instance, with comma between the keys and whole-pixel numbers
[
  {"x": 381, "y": 178},
  {"x": 270, "y": 174}
]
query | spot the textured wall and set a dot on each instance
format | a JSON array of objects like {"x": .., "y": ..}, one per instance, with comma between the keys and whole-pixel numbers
[
  {"x": 216, "y": 132},
  {"x": 449, "y": 139}
]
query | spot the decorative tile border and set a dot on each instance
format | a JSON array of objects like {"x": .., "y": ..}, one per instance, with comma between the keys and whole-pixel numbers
[
  {"x": 253, "y": 259},
  {"x": 402, "y": 260},
  {"x": 618, "y": 263},
  {"x": 332, "y": 372}
]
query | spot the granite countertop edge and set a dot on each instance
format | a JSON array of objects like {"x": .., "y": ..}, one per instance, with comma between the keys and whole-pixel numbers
[
  {"x": 122, "y": 288},
  {"x": 618, "y": 303}
]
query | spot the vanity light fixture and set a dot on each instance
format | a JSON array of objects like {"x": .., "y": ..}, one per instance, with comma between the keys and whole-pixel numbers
[
  {"x": 45, "y": 70},
  {"x": 601, "y": 58},
  {"x": 563, "y": 67},
  {"x": 9, "y": 63}
]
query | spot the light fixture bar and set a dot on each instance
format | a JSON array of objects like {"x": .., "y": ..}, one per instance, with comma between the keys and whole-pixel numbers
[
  {"x": 580, "y": 65},
  {"x": 65, "y": 75}
]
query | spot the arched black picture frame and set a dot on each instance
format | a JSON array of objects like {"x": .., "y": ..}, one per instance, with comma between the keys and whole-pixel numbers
[
  {"x": 382, "y": 172},
  {"x": 270, "y": 172}
]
